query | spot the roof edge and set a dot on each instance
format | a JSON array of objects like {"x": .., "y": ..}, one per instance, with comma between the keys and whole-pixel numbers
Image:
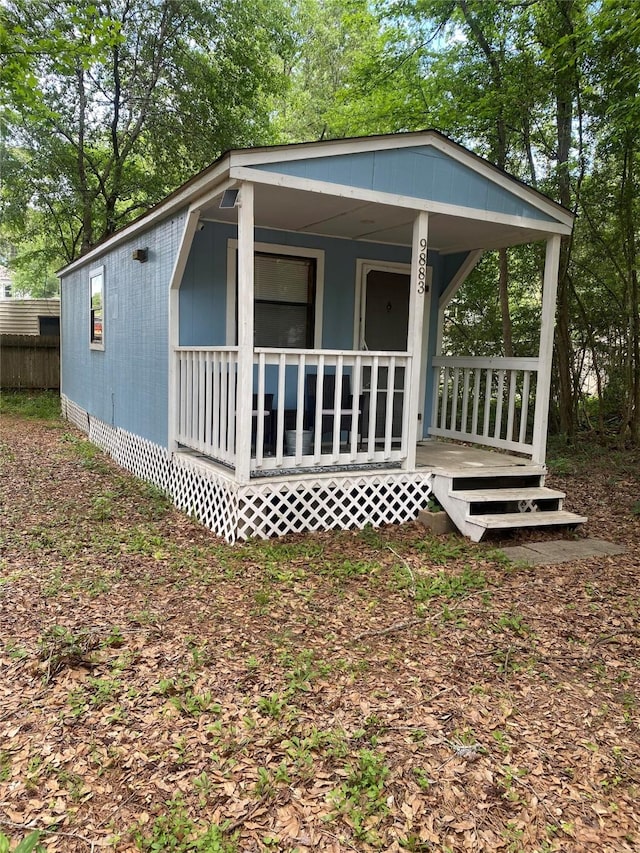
[{"x": 205, "y": 180}]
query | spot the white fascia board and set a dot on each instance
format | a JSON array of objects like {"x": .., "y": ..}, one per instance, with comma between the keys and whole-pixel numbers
[
  {"x": 492, "y": 173},
  {"x": 329, "y": 148},
  {"x": 275, "y": 179},
  {"x": 181, "y": 199}
]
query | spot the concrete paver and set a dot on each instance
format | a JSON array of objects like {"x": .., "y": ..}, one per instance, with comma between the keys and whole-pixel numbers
[{"x": 561, "y": 551}]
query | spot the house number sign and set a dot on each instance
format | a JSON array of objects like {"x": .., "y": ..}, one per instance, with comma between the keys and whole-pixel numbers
[{"x": 423, "y": 287}]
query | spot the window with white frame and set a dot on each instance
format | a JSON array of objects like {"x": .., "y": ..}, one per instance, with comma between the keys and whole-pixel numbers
[
  {"x": 284, "y": 301},
  {"x": 288, "y": 295},
  {"x": 96, "y": 295}
]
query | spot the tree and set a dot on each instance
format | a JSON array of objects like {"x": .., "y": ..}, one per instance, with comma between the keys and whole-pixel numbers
[{"x": 110, "y": 104}]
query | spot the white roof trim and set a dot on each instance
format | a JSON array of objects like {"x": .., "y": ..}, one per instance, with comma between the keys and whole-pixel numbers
[
  {"x": 275, "y": 179},
  {"x": 234, "y": 163},
  {"x": 329, "y": 148},
  {"x": 503, "y": 180},
  {"x": 333, "y": 148}
]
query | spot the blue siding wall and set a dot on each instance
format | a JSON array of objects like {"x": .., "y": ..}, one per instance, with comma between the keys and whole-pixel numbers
[
  {"x": 203, "y": 295},
  {"x": 417, "y": 172},
  {"x": 126, "y": 385}
]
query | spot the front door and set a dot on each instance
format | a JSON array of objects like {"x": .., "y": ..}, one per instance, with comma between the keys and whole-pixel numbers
[
  {"x": 385, "y": 316},
  {"x": 384, "y": 327}
]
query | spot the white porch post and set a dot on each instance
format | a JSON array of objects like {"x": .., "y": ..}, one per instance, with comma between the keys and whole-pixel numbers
[
  {"x": 417, "y": 293},
  {"x": 245, "y": 332},
  {"x": 545, "y": 353},
  {"x": 174, "y": 322}
]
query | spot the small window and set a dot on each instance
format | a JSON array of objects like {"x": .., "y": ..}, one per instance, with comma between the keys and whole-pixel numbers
[
  {"x": 284, "y": 301},
  {"x": 49, "y": 326},
  {"x": 96, "y": 284}
]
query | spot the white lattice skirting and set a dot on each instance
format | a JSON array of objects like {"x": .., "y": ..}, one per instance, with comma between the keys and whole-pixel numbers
[{"x": 268, "y": 508}]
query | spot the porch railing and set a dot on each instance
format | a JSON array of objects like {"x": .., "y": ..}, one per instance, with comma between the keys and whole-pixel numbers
[
  {"x": 310, "y": 407},
  {"x": 486, "y": 401},
  {"x": 206, "y": 410}
]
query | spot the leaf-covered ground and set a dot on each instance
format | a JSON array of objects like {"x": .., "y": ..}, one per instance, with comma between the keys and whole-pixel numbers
[{"x": 375, "y": 690}]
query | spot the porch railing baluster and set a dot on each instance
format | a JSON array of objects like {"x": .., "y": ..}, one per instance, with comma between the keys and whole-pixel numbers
[
  {"x": 317, "y": 450},
  {"x": 524, "y": 411},
  {"x": 497, "y": 430},
  {"x": 498, "y": 384},
  {"x": 373, "y": 408},
  {"x": 388, "y": 420}
]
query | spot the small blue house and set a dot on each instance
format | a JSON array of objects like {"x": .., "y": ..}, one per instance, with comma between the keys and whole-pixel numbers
[{"x": 266, "y": 343}]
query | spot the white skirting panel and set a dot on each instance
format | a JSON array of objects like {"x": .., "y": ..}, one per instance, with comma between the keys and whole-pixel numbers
[{"x": 265, "y": 508}]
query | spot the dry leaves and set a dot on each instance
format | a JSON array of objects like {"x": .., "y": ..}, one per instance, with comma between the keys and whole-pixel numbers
[{"x": 299, "y": 693}]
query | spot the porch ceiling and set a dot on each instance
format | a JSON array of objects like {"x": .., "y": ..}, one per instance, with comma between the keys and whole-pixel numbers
[{"x": 287, "y": 209}]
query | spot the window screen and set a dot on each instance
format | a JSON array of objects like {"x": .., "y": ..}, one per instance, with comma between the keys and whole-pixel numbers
[{"x": 284, "y": 301}]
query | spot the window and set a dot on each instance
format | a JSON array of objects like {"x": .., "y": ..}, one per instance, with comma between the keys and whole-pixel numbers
[
  {"x": 96, "y": 286},
  {"x": 284, "y": 301},
  {"x": 49, "y": 326},
  {"x": 288, "y": 295}
]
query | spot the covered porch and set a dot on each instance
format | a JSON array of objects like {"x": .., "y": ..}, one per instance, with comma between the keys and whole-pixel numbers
[{"x": 268, "y": 411}]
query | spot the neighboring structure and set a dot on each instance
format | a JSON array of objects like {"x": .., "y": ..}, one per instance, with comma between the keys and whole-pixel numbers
[
  {"x": 30, "y": 317},
  {"x": 5, "y": 283},
  {"x": 265, "y": 343},
  {"x": 29, "y": 343}
]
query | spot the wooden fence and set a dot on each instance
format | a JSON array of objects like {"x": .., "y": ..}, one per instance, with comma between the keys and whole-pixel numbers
[{"x": 29, "y": 361}]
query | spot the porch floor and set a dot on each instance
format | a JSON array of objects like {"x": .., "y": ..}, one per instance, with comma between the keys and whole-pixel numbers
[{"x": 444, "y": 456}]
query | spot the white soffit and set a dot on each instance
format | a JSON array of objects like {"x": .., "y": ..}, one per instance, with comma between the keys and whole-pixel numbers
[{"x": 287, "y": 209}]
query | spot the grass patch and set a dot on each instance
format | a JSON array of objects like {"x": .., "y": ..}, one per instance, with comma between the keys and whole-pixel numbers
[
  {"x": 175, "y": 832},
  {"x": 34, "y": 405},
  {"x": 445, "y": 585}
]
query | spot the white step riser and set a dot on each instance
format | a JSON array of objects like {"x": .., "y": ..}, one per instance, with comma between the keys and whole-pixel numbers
[
  {"x": 458, "y": 503},
  {"x": 479, "y": 524}
]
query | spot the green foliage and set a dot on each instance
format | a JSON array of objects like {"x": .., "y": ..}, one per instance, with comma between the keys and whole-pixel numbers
[
  {"x": 60, "y": 647},
  {"x": 176, "y": 832},
  {"x": 111, "y": 106},
  {"x": 362, "y": 794},
  {"x": 29, "y": 844},
  {"x": 445, "y": 585},
  {"x": 36, "y": 405}
]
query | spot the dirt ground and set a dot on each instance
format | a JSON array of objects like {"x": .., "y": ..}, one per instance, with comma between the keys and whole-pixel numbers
[{"x": 375, "y": 690}]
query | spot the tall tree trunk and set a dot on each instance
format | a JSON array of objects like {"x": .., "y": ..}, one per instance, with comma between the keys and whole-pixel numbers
[
  {"x": 499, "y": 156},
  {"x": 632, "y": 419},
  {"x": 86, "y": 197},
  {"x": 565, "y": 87},
  {"x": 507, "y": 331}
]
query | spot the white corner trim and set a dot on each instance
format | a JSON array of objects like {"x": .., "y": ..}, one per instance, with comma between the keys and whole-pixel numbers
[{"x": 275, "y": 249}]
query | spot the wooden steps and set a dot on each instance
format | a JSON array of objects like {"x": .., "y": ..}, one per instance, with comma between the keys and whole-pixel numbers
[
  {"x": 508, "y": 495},
  {"x": 509, "y": 520},
  {"x": 500, "y": 498}
]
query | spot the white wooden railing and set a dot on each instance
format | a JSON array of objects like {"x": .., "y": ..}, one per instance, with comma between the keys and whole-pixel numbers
[
  {"x": 292, "y": 426},
  {"x": 486, "y": 401},
  {"x": 206, "y": 409}
]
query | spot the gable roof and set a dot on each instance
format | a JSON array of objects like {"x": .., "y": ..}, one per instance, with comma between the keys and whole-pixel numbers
[{"x": 402, "y": 169}]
